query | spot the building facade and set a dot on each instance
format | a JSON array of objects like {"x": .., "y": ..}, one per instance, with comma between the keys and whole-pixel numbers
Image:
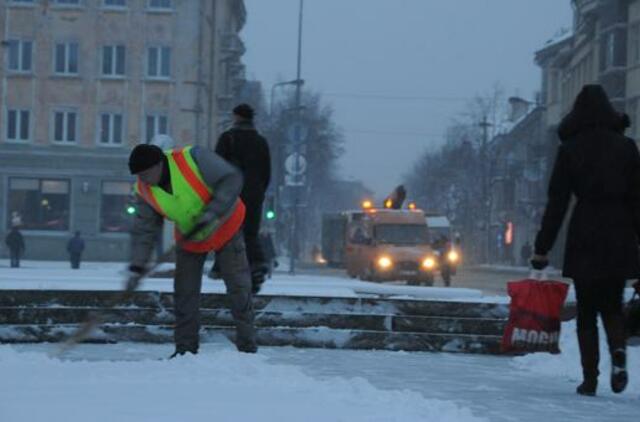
[{"x": 82, "y": 81}]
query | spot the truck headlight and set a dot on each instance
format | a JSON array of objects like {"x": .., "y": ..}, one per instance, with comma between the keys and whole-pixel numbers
[
  {"x": 429, "y": 263},
  {"x": 384, "y": 262},
  {"x": 453, "y": 256}
]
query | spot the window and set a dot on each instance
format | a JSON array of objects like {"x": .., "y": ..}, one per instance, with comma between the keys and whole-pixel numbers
[
  {"x": 115, "y": 207},
  {"x": 609, "y": 50},
  {"x": 21, "y": 2},
  {"x": 110, "y": 129},
  {"x": 160, "y": 4},
  {"x": 18, "y": 126},
  {"x": 634, "y": 44},
  {"x": 156, "y": 124},
  {"x": 159, "y": 62},
  {"x": 65, "y": 126},
  {"x": 115, "y": 3},
  {"x": 113, "y": 58},
  {"x": 66, "y": 58},
  {"x": 41, "y": 204},
  {"x": 19, "y": 55}
]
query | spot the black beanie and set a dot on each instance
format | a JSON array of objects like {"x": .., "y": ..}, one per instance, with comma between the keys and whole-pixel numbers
[
  {"x": 143, "y": 157},
  {"x": 244, "y": 110}
]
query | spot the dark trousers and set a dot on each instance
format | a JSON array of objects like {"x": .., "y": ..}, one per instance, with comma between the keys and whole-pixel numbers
[
  {"x": 14, "y": 257},
  {"x": 75, "y": 260},
  {"x": 234, "y": 270},
  {"x": 603, "y": 297}
]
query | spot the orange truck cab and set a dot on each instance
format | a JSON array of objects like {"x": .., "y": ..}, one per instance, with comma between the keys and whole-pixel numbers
[{"x": 380, "y": 245}]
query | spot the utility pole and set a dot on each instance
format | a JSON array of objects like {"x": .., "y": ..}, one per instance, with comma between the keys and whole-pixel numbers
[
  {"x": 293, "y": 238},
  {"x": 486, "y": 186}
]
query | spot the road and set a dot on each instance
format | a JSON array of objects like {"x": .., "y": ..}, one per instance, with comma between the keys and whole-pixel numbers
[{"x": 492, "y": 281}]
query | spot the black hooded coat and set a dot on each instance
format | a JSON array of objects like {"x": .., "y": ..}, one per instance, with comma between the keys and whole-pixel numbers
[{"x": 600, "y": 167}]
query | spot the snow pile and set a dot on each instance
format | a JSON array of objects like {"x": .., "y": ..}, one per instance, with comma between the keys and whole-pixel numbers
[
  {"x": 567, "y": 363},
  {"x": 221, "y": 386}
]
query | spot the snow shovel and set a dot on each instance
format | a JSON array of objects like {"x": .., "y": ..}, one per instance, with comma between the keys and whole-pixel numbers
[{"x": 94, "y": 319}]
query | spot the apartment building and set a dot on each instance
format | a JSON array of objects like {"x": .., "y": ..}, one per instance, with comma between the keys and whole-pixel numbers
[{"x": 82, "y": 81}]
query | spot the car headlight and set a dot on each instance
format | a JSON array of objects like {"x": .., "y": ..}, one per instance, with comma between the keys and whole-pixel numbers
[
  {"x": 453, "y": 256},
  {"x": 429, "y": 263},
  {"x": 385, "y": 262}
]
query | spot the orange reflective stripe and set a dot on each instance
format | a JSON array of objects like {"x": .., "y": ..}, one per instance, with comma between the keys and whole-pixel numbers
[
  {"x": 220, "y": 237},
  {"x": 196, "y": 184},
  {"x": 147, "y": 195}
]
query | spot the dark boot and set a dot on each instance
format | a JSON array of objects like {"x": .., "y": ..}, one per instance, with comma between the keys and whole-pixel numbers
[
  {"x": 589, "y": 357},
  {"x": 619, "y": 376},
  {"x": 181, "y": 351},
  {"x": 616, "y": 337}
]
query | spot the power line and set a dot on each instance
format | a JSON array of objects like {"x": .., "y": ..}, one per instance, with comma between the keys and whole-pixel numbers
[{"x": 373, "y": 96}]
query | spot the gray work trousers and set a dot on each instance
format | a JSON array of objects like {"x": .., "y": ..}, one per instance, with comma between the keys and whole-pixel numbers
[{"x": 187, "y": 284}]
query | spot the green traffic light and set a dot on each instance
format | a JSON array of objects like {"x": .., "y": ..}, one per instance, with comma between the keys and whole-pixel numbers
[
  {"x": 271, "y": 215},
  {"x": 131, "y": 209}
]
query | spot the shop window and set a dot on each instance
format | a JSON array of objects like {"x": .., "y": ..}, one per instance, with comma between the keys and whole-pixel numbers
[{"x": 39, "y": 204}]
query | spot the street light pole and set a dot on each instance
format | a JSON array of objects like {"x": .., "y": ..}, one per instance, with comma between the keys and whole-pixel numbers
[
  {"x": 486, "y": 185},
  {"x": 293, "y": 238}
]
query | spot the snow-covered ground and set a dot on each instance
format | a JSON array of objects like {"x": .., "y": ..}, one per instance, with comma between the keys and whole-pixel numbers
[
  {"x": 127, "y": 382},
  {"x": 130, "y": 382}
]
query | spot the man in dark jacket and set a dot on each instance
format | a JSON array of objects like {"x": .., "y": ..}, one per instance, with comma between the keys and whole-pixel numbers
[
  {"x": 15, "y": 243},
  {"x": 600, "y": 167},
  {"x": 246, "y": 149},
  {"x": 75, "y": 247}
]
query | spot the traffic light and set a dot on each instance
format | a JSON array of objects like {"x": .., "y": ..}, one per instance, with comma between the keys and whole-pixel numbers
[
  {"x": 131, "y": 209},
  {"x": 270, "y": 209}
]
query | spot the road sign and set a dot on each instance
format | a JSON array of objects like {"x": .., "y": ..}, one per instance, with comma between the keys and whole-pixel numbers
[
  {"x": 295, "y": 164},
  {"x": 297, "y": 133},
  {"x": 293, "y": 194},
  {"x": 295, "y": 179}
]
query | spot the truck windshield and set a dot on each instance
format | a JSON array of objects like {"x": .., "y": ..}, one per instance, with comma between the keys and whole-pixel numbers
[{"x": 401, "y": 234}]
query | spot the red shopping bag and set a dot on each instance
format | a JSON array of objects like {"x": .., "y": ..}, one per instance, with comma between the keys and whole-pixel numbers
[{"x": 534, "y": 316}]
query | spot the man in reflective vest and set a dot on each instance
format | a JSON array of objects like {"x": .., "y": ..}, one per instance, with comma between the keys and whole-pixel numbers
[{"x": 198, "y": 191}]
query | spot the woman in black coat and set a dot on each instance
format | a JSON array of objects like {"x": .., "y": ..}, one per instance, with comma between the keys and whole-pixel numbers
[{"x": 600, "y": 167}]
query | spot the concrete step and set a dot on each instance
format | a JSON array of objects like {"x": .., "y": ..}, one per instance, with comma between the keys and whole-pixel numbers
[
  {"x": 222, "y": 317},
  {"x": 152, "y": 299},
  {"x": 319, "y": 337}
]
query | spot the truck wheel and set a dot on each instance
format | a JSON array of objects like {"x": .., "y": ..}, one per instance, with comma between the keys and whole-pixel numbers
[
  {"x": 428, "y": 280},
  {"x": 371, "y": 273}
]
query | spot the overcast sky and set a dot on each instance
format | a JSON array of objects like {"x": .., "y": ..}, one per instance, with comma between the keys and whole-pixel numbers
[{"x": 368, "y": 56}]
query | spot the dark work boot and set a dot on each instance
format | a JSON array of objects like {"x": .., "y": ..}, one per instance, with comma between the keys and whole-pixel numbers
[
  {"x": 257, "y": 279},
  {"x": 619, "y": 376},
  {"x": 181, "y": 351},
  {"x": 589, "y": 357}
]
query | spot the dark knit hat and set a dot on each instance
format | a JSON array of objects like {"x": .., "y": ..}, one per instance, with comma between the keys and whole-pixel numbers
[
  {"x": 244, "y": 110},
  {"x": 143, "y": 157}
]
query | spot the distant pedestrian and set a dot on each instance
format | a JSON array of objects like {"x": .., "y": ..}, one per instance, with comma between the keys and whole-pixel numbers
[
  {"x": 246, "y": 149},
  {"x": 600, "y": 167},
  {"x": 525, "y": 253},
  {"x": 75, "y": 247},
  {"x": 15, "y": 243}
]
